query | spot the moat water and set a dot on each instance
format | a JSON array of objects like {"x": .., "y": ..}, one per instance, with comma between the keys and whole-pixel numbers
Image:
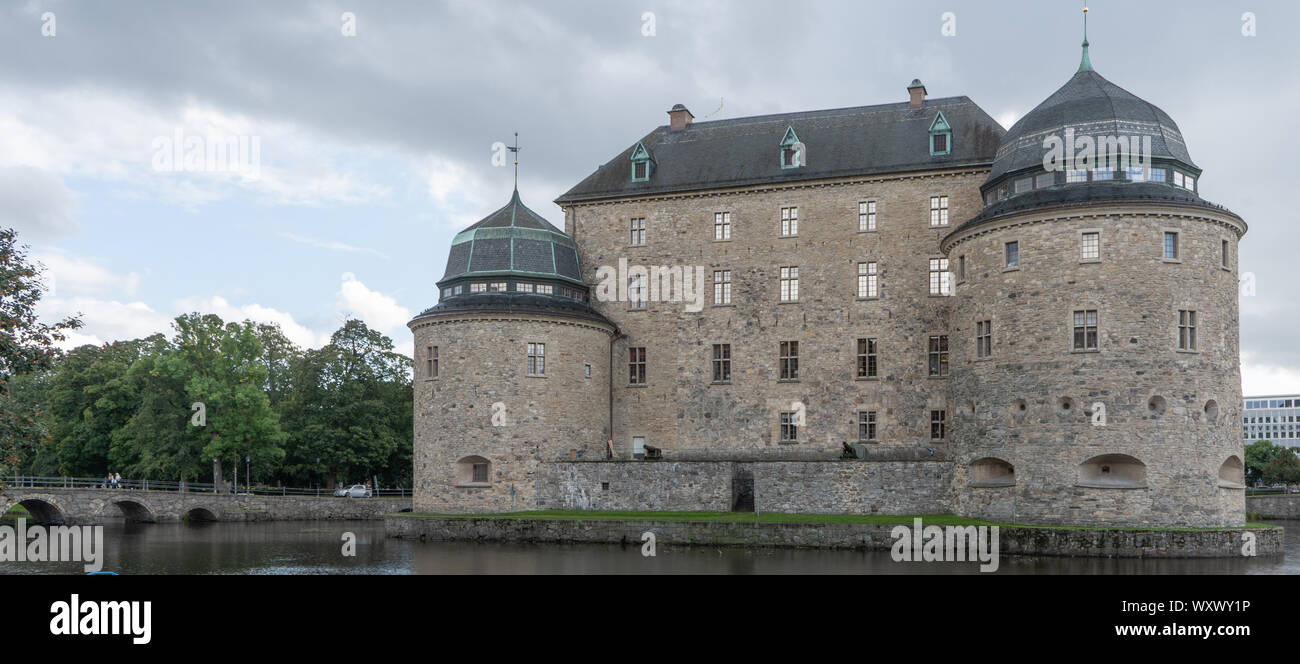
[{"x": 316, "y": 547}]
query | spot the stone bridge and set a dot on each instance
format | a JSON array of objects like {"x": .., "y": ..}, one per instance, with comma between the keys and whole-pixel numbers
[{"x": 99, "y": 506}]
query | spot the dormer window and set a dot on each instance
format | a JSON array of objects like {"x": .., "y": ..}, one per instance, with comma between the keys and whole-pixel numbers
[
  {"x": 940, "y": 135},
  {"x": 793, "y": 152},
  {"x": 641, "y": 164}
]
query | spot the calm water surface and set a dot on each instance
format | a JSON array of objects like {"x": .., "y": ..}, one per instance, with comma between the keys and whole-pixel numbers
[{"x": 315, "y": 547}]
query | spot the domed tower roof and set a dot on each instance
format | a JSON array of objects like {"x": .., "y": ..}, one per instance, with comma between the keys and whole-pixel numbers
[
  {"x": 1091, "y": 116},
  {"x": 513, "y": 241},
  {"x": 513, "y": 261},
  {"x": 1091, "y": 106}
]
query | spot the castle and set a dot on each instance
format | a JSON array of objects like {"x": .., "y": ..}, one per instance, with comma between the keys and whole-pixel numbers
[{"x": 905, "y": 309}]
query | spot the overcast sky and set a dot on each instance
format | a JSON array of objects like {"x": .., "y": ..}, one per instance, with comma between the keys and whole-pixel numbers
[{"x": 376, "y": 148}]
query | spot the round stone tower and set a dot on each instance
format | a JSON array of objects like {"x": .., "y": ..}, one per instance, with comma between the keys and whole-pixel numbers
[
  {"x": 511, "y": 367},
  {"x": 1096, "y": 374}
]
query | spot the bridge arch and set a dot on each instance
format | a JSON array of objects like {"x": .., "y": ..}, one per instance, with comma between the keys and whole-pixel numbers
[
  {"x": 44, "y": 509},
  {"x": 199, "y": 515},
  {"x": 134, "y": 510}
]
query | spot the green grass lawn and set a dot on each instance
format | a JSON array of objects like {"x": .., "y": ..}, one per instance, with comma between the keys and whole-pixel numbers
[
  {"x": 17, "y": 511},
  {"x": 749, "y": 517}
]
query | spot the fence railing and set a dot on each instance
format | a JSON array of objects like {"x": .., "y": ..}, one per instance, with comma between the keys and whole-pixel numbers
[{"x": 39, "y": 482}]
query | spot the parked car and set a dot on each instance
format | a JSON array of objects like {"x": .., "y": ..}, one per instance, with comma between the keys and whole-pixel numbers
[{"x": 354, "y": 491}]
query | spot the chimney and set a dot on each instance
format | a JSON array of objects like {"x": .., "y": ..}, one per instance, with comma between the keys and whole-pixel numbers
[
  {"x": 917, "y": 93},
  {"x": 679, "y": 118}
]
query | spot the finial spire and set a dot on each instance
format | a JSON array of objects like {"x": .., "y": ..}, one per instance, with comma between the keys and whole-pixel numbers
[
  {"x": 1085, "y": 64},
  {"x": 515, "y": 149}
]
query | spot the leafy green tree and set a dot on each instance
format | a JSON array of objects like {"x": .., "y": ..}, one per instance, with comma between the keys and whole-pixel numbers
[
  {"x": 26, "y": 346},
  {"x": 90, "y": 398},
  {"x": 29, "y": 393},
  {"x": 349, "y": 415},
  {"x": 1283, "y": 468},
  {"x": 279, "y": 355},
  {"x": 1258, "y": 454}
]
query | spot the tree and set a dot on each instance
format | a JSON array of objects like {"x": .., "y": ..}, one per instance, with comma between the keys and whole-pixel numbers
[
  {"x": 1283, "y": 468},
  {"x": 349, "y": 414},
  {"x": 1258, "y": 454},
  {"x": 26, "y": 345},
  {"x": 90, "y": 398},
  {"x": 278, "y": 354}
]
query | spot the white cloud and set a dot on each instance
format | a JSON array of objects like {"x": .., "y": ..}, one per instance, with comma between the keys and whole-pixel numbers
[
  {"x": 1260, "y": 379},
  {"x": 295, "y": 331},
  {"x": 36, "y": 203},
  {"x": 105, "y": 320},
  {"x": 71, "y": 275},
  {"x": 377, "y": 310},
  {"x": 333, "y": 245}
]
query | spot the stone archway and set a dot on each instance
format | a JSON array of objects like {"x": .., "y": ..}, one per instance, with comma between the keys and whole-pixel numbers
[
  {"x": 134, "y": 510},
  {"x": 199, "y": 515},
  {"x": 43, "y": 510}
]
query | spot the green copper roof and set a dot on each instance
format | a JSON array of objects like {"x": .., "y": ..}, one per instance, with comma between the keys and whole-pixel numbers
[{"x": 514, "y": 240}]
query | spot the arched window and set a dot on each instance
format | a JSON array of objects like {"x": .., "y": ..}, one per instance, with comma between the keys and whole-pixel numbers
[
  {"x": 1113, "y": 471},
  {"x": 473, "y": 471},
  {"x": 1232, "y": 474},
  {"x": 992, "y": 472}
]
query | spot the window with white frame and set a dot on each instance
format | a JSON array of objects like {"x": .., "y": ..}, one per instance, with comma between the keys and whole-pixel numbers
[
  {"x": 940, "y": 278},
  {"x": 722, "y": 225},
  {"x": 1089, "y": 246},
  {"x": 984, "y": 338},
  {"x": 536, "y": 359},
  {"x": 938, "y": 211},
  {"x": 722, "y": 286},
  {"x": 1085, "y": 329},
  {"x": 867, "y": 285},
  {"x": 1186, "y": 329},
  {"x": 789, "y": 221},
  {"x": 789, "y": 284},
  {"x": 867, "y": 216},
  {"x": 636, "y": 231}
]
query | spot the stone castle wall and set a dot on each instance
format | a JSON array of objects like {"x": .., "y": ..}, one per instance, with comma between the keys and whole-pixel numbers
[
  {"x": 682, "y": 410},
  {"x": 1176, "y": 412},
  {"x": 482, "y": 362}
]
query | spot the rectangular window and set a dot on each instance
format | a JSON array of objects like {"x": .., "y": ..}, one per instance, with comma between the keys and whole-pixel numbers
[
  {"x": 961, "y": 267},
  {"x": 636, "y": 366},
  {"x": 1186, "y": 329},
  {"x": 637, "y": 231},
  {"x": 1171, "y": 245},
  {"x": 789, "y": 221},
  {"x": 940, "y": 145},
  {"x": 939, "y": 355},
  {"x": 639, "y": 170},
  {"x": 940, "y": 278},
  {"x": 867, "y": 216},
  {"x": 637, "y": 291},
  {"x": 1158, "y": 174},
  {"x": 789, "y": 429},
  {"x": 867, "y": 358},
  {"x": 789, "y": 284},
  {"x": 1103, "y": 174},
  {"x": 481, "y": 473},
  {"x": 1013, "y": 254},
  {"x": 1085, "y": 329},
  {"x": 545, "y": 289},
  {"x": 1178, "y": 179},
  {"x": 431, "y": 361},
  {"x": 1024, "y": 184},
  {"x": 722, "y": 286},
  {"x": 456, "y": 290},
  {"x": 984, "y": 338},
  {"x": 478, "y": 288},
  {"x": 1223, "y": 253},
  {"x": 497, "y": 286},
  {"x": 789, "y": 360},
  {"x": 536, "y": 359},
  {"x": 1135, "y": 174},
  {"x": 1089, "y": 246},
  {"x": 938, "y": 424},
  {"x": 1076, "y": 175},
  {"x": 721, "y": 363},
  {"x": 938, "y": 211},
  {"x": 867, "y": 425},
  {"x": 1190, "y": 183},
  {"x": 722, "y": 225},
  {"x": 867, "y": 284},
  {"x": 523, "y": 288},
  {"x": 1044, "y": 180}
]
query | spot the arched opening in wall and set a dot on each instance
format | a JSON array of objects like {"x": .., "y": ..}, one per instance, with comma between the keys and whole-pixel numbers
[
  {"x": 1212, "y": 411},
  {"x": 200, "y": 515},
  {"x": 991, "y": 472},
  {"x": 42, "y": 512},
  {"x": 1232, "y": 474},
  {"x": 134, "y": 512},
  {"x": 1113, "y": 471},
  {"x": 1156, "y": 406},
  {"x": 474, "y": 471}
]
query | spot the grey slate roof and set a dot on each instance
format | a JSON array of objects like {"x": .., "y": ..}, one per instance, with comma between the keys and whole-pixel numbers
[
  {"x": 885, "y": 138},
  {"x": 514, "y": 240},
  {"x": 1092, "y": 106}
]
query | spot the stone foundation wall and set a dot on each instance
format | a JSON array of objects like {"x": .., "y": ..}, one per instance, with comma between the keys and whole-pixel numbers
[{"x": 1274, "y": 507}]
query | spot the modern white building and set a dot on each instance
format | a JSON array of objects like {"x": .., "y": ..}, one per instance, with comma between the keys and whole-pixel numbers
[{"x": 1275, "y": 418}]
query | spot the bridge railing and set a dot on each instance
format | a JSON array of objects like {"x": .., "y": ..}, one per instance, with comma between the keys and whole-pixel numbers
[{"x": 40, "y": 482}]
